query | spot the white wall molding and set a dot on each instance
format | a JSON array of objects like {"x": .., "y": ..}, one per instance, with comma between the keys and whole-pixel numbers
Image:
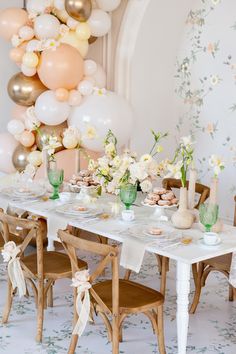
[{"x": 131, "y": 23}]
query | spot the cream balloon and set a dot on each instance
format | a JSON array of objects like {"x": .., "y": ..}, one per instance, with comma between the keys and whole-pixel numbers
[
  {"x": 27, "y": 138},
  {"x": 62, "y": 95},
  {"x": 72, "y": 23},
  {"x": 108, "y": 5},
  {"x": 15, "y": 126},
  {"x": 46, "y": 26},
  {"x": 75, "y": 98},
  {"x": 26, "y": 33},
  {"x": 83, "y": 31},
  {"x": 100, "y": 77},
  {"x": 11, "y": 20},
  {"x": 28, "y": 71},
  {"x": 90, "y": 67},
  {"x": 35, "y": 158},
  {"x": 70, "y": 141},
  {"x": 16, "y": 54},
  {"x": 33, "y": 46},
  {"x": 7, "y": 147},
  {"x": 97, "y": 114},
  {"x": 30, "y": 60},
  {"x": 38, "y": 7},
  {"x": 62, "y": 15},
  {"x": 99, "y": 23},
  {"x": 72, "y": 39},
  {"x": 50, "y": 111},
  {"x": 85, "y": 87}
]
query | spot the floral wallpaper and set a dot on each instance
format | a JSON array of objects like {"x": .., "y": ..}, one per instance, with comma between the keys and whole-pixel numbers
[{"x": 206, "y": 90}]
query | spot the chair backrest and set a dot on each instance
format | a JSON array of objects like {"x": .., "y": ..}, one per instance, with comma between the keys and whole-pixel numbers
[
  {"x": 204, "y": 191},
  {"x": 110, "y": 256},
  {"x": 33, "y": 229}
]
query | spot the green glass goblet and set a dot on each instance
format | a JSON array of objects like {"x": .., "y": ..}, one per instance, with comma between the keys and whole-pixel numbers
[
  {"x": 128, "y": 194},
  {"x": 55, "y": 178},
  {"x": 208, "y": 214}
]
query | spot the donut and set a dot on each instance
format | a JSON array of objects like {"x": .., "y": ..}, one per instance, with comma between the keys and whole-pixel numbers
[
  {"x": 174, "y": 201},
  {"x": 159, "y": 190},
  {"x": 149, "y": 201},
  {"x": 154, "y": 197},
  {"x": 164, "y": 203},
  {"x": 168, "y": 196}
]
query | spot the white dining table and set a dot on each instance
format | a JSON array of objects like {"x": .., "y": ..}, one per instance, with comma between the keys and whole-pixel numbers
[{"x": 115, "y": 229}]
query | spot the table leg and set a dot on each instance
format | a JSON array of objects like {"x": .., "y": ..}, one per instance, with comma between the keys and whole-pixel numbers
[
  {"x": 183, "y": 289},
  {"x": 51, "y": 246}
]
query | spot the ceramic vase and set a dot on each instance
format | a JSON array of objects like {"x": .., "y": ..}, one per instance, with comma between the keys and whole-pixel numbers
[{"x": 183, "y": 218}]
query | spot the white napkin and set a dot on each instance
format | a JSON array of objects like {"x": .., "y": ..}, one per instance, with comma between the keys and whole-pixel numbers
[
  {"x": 132, "y": 253},
  {"x": 232, "y": 274}
]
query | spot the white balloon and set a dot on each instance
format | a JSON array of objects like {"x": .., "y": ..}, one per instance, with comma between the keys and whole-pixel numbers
[
  {"x": 26, "y": 33},
  {"x": 100, "y": 77},
  {"x": 35, "y": 158},
  {"x": 38, "y": 7},
  {"x": 15, "y": 127},
  {"x": 33, "y": 46},
  {"x": 99, "y": 113},
  {"x": 50, "y": 111},
  {"x": 99, "y": 22},
  {"x": 46, "y": 26},
  {"x": 90, "y": 67},
  {"x": 59, "y": 4},
  {"x": 85, "y": 87},
  {"x": 27, "y": 71},
  {"x": 108, "y": 5}
]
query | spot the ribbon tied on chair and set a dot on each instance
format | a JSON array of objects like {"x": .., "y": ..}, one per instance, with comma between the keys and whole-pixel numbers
[
  {"x": 10, "y": 253},
  {"x": 81, "y": 282}
]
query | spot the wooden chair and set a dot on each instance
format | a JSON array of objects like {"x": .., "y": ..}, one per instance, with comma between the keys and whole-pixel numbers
[
  {"x": 220, "y": 264},
  {"x": 115, "y": 298},
  {"x": 40, "y": 269}
]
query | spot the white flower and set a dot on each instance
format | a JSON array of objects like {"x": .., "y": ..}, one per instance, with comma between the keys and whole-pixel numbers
[
  {"x": 10, "y": 250},
  {"x": 92, "y": 165},
  {"x": 217, "y": 163},
  {"x": 72, "y": 132},
  {"x": 116, "y": 162},
  {"x": 138, "y": 171},
  {"x": 49, "y": 44},
  {"x": 186, "y": 141},
  {"x": 52, "y": 145},
  {"x": 146, "y": 158},
  {"x": 215, "y": 2},
  {"x": 110, "y": 149},
  {"x": 81, "y": 278},
  {"x": 98, "y": 91},
  {"x": 214, "y": 80},
  {"x": 159, "y": 148},
  {"x": 146, "y": 186},
  {"x": 31, "y": 121},
  {"x": 103, "y": 162},
  {"x": 175, "y": 170}
]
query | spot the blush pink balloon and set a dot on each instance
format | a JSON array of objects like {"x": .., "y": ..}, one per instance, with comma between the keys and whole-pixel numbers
[
  {"x": 61, "y": 67},
  {"x": 66, "y": 160},
  {"x": 74, "y": 98},
  {"x": 19, "y": 112},
  {"x": 62, "y": 95},
  {"x": 7, "y": 147},
  {"x": 11, "y": 20},
  {"x": 16, "y": 54},
  {"x": 27, "y": 138}
]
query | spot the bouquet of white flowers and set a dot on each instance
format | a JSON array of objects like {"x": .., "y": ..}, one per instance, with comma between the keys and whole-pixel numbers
[{"x": 113, "y": 170}]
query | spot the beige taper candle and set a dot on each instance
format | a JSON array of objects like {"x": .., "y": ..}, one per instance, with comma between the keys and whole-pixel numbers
[{"x": 191, "y": 188}]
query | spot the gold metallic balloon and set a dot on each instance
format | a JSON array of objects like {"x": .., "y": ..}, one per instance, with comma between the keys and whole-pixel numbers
[
  {"x": 80, "y": 10},
  {"x": 19, "y": 157},
  {"x": 24, "y": 90},
  {"x": 92, "y": 39},
  {"x": 46, "y": 131}
]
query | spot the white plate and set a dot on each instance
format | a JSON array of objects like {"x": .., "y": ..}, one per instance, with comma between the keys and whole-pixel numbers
[
  {"x": 36, "y": 192},
  {"x": 159, "y": 206},
  {"x": 146, "y": 233},
  {"x": 202, "y": 243},
  {"x": 68, "y": 209}
]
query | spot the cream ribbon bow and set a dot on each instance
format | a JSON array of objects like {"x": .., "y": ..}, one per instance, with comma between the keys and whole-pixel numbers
[
  {"x": 232, "y": 274},
  {"x": 9, "y": 253},
  {"x": 81, "y": 282}
]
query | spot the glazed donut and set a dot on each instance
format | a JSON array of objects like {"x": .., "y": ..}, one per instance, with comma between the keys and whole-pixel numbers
[
  {"x": 164, "y": 203},
  {"x": 159, "y": 190},
  {"x": 168, "y": 196}
]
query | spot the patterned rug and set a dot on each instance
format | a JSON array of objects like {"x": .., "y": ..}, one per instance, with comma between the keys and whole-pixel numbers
[{"x": 212, "y": 329}]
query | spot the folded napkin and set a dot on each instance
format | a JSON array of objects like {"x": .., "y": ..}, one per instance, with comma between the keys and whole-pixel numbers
[
  {"x": 132, "y": 253},
  {"x": 232, "y": 274}
]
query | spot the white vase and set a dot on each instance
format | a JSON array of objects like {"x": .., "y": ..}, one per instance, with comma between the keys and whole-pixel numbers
[{"x": 183, "y": 218}]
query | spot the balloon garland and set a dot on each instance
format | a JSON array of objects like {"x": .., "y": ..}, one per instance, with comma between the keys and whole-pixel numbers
[{"x": 58, "y": 90}]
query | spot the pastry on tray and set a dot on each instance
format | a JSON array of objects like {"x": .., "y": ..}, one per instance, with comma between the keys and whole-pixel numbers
[{"x": 162, "y": 197}]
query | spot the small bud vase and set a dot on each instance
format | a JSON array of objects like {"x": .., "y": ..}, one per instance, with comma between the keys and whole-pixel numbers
[{"x": 183, "y": 218}]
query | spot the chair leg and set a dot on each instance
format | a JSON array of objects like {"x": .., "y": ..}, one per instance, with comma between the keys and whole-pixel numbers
[
  {"x": 40, "y": 311},
  {"x": 197, "y": 289},
  {"x": 50, "y": 296},
  {"x": 195, "y": 273},
  {"x": 160, "y": 326},
  {"x": 127, "y": 274},
  {"x": 73, "y": 344},
  {"x": 115, "y": 335},
  {"x": 231, "y": 293},
  {"x": 7, "y": 309}
]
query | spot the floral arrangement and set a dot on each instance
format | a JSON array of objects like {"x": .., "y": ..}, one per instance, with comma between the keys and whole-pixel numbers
[
  {"x": 217, "y": 164},
  {"x": 113, "y": 170},
  {"x": 183, "y": 158}
]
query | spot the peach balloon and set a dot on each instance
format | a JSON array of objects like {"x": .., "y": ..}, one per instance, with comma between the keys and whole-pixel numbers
[
  {"x": 61, "y": 67},
  {"x": 27, "y": 138},
  {"x": 11, "y": 20},
  {"x": 19, "y": 112},
  {"x": 7, "y": 147},
  {"x": 75, "y": 98},
  {"x": 66, "y": 160},
  {"x": 16, "y": 54},
  {"x": 62, "y": 95}
]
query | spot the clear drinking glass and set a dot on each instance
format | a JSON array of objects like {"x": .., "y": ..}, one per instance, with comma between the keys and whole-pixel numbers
[
  {"x": 55, "y": 177},
  {"x": 208, "y": 214},
  {"x": 128, "y": 194}
]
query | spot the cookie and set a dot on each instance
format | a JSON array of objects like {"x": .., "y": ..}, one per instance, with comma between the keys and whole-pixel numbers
[
  {"x": 159, "y": 190},
  {"x": 168, "y": 196},
  {"x": 164, "y": 203},
  {"x": 174, "y": 201},
  {"x": 149, "y": 201}
]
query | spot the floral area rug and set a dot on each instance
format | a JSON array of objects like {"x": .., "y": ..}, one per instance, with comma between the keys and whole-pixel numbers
[{"x": 212, "y": 329}]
